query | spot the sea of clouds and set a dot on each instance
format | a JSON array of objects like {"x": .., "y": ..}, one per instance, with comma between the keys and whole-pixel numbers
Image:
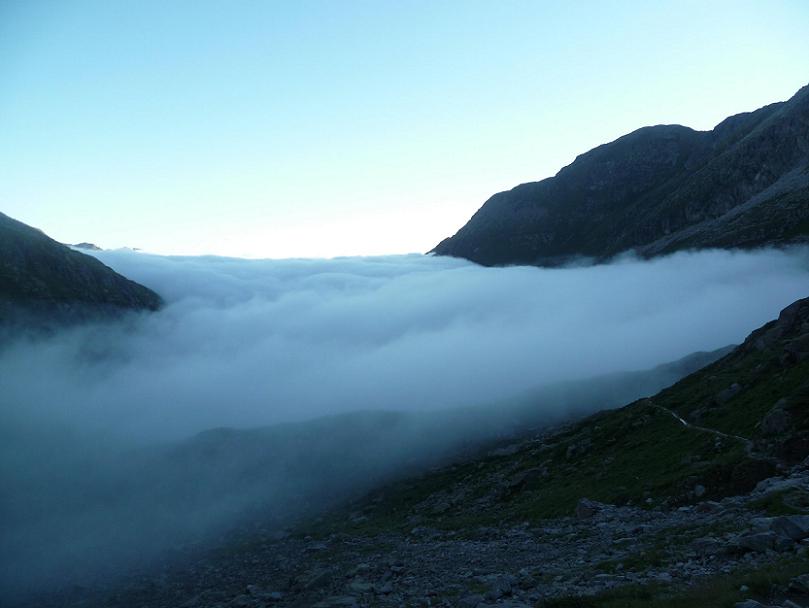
[
  {"x": 254, "y": 342},
  {"x": 100, "y": 462}
]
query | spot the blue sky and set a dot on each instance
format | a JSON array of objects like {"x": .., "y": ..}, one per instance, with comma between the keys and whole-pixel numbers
[{"x": 340, "y": 128}]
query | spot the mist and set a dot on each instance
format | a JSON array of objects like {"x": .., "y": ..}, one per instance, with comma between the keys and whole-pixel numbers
[
  {"x": 336, "y": 375},
  {"x": 244, "y": 343}
]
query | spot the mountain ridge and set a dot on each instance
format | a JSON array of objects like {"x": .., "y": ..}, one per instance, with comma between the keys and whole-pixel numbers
[
  {"x": 43, "y": 282},
  {"x": 654, "y": 191}
]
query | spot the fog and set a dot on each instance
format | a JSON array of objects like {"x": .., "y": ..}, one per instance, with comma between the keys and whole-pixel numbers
[
  {"x": 245, "y": 343},
  {"x": 100, "y": 456}
]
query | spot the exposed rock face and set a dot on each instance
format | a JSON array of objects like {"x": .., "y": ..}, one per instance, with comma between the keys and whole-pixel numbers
[
  {"x": 657, "y": 190},
  {"x": 43, "y": 282}
]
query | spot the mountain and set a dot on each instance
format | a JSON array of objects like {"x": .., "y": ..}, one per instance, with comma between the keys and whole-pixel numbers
[
  {"x": 657, "y": 190},
  {"x": 43, "y": 282},
  {"x": 87, "y": 246}
]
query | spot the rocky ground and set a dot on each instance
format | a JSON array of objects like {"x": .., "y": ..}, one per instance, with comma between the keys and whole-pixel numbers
[{"x": 601, "y": 553}]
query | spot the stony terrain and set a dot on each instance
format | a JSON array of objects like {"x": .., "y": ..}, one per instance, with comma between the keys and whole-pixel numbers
[
  {"x": 608, "y": 554},
  {"x": 657, "y": 190}
]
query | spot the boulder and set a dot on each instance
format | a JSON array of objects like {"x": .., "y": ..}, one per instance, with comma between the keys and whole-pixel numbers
[
  {"x": 338, "y": 601},
  {"x": 749, "y": 604},
  {"x": 708, "y": 546},
  {"x": 765, "y": 541},
  {"x": 523, "y": 478},
  {"x": 587, "y": 509},
  {"x": 777, "y": 420},
  {"x": 794, "y": 527},
  {"x": 728, "y": 394},
  {"x": 800, "y": 584},
  {"x": 470, "y": 601}
]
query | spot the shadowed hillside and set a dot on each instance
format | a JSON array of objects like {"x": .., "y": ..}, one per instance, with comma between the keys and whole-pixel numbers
[
  {"x": 657, "y": 190},
  {"x": 44, "y": 283}
]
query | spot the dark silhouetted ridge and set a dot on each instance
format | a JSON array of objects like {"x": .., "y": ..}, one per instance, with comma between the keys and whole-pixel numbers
[
  {"x": 657, "y": 190},
  {"x": 45, "y": 282}
]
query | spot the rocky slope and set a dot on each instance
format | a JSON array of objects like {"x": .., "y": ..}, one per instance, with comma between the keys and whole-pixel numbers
[
  {"x": 43, "y": 282},
  {"x": 657, "y": 190},
  {"x": 698, "y": 496}
]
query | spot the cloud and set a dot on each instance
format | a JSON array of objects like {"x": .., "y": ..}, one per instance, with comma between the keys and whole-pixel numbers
[
  {"x": 253, "y": 342},
  {"x": 96, "y": 419}
]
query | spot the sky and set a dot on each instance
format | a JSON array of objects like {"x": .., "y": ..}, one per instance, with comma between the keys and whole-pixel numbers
[{"x": 320, "y": 129}]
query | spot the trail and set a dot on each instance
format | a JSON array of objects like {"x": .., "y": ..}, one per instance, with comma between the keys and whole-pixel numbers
[{"x": 748, "y": 444}]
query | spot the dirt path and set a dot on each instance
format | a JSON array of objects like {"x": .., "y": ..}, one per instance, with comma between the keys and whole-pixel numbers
[{"x": 748, "y": 444}]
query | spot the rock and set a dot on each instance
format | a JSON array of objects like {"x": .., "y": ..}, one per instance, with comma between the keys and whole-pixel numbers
[
  {"x": 522, "y": 478},
  {"x": 470, "y": 601},
  {"x": 576, "y": 449},
  {"x": 749, "y": 604},
  {"x": 699, "y": 490},
  {"x": 761, "y": 524},
  {"x": 777, "y": 420},
  {"x": 709, "y": 506},
  {"x": 263, "y": 595},
  {"x": 800, "y": 584},
  {"x": 498, "y": 585},
  {"x": 728, "y": 394},
  {"x": 338, "y": 601},
  {"x": 764, "y": 541},
  {"x": 317, "y": 579},
  {"x": 360, "y": 586},
  {"x": 244, "y": 601},
  {"x": 587, "y": 509},
  {"x": 795, "y": 527},
  {"x": 360, "y": 568},
  {"x": 424, "y": 532},
  {"x": 708, "y": 546}
]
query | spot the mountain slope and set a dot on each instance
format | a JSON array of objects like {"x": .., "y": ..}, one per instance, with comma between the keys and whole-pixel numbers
[
  {"x": 743, "y": 417},
  {"x": 657, "y": 190},
  {"x": 43, "y": 281}
]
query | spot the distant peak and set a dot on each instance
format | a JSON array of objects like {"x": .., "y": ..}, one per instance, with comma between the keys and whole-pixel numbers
[{"x": 88, "y": 246}]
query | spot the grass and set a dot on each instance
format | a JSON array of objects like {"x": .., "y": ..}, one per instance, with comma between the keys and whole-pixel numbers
[
  {"x": 631, "y": 456},
  {"x": 764, "y": 382}
]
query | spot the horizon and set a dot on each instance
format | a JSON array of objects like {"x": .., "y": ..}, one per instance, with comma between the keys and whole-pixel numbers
[{"x": 323, "y": 132}]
